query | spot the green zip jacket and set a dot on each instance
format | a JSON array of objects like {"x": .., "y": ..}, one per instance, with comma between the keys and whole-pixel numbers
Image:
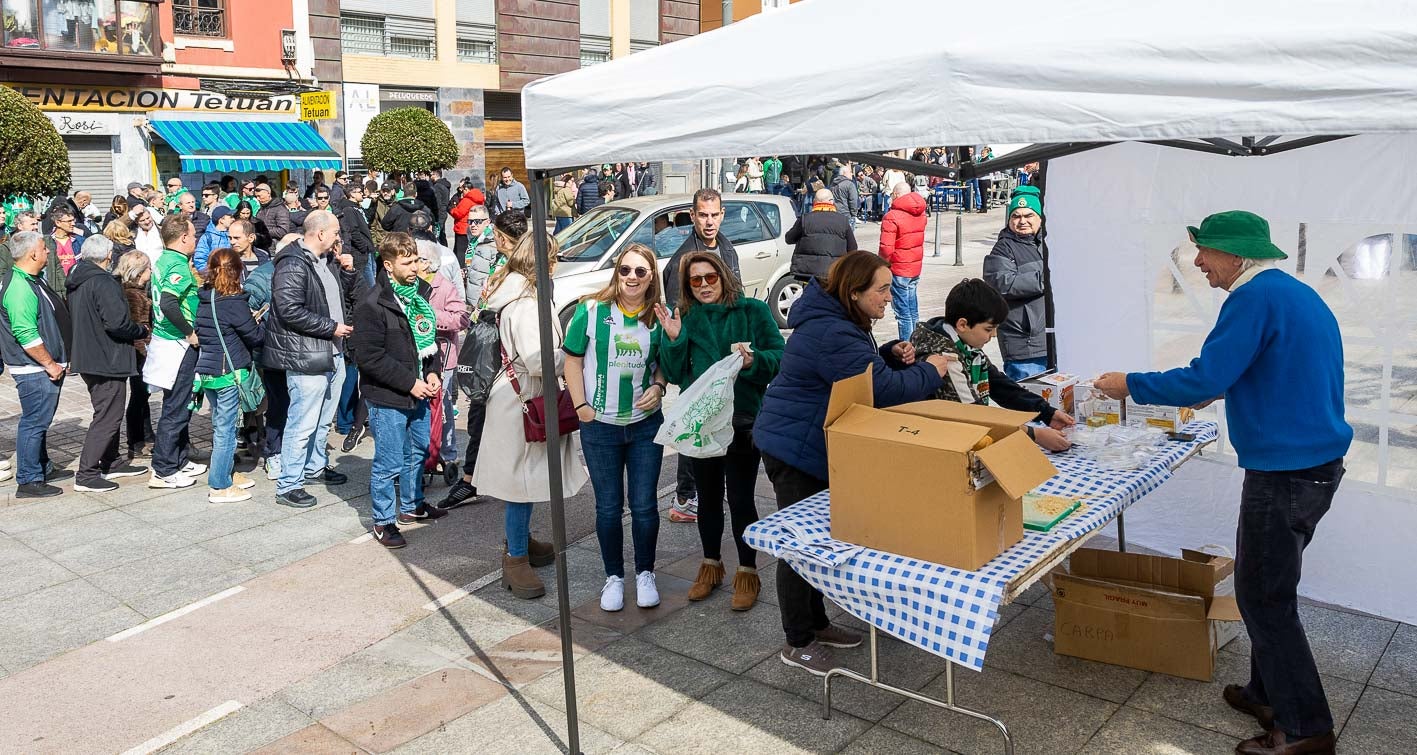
[{"x": 707, "y": 333}]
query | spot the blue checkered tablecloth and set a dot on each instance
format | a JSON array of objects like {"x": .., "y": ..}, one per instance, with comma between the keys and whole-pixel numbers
[{"x": 945, "y": 611}]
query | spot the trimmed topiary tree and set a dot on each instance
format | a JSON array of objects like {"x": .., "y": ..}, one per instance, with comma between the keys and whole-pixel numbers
[
  {"x": 409, "y": 139},
  {"x": 33, "y": 159}
]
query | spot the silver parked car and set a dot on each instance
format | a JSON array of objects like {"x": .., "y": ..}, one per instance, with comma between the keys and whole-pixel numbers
[{"x": 754, "y": 223}]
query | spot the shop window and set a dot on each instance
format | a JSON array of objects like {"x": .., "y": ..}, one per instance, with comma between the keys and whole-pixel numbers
[
  {"x": 106, "y": 26},
  {"x": 477, "y": 51},
  {"x": 199, "y": 18}
]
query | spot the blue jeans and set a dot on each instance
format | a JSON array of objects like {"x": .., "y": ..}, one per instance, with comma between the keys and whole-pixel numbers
[
  {"x": 226, "y": 416},
  {"x": 348, "y": 400},
  {"x": 518, "y": 528},
  {"x": 313, "y": 399},
  {"x": 400, "y": 446},
  {"x": 39, "y": 398},
  {"x": 1026, "y": 368},
  {"x": 614, "y": 453},
  {"x": 904, "y": 304},
  {"x": 562, "y": 223}
]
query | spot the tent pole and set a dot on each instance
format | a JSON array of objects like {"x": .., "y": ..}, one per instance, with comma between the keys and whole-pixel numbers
[{"x": 551, "y": 389}]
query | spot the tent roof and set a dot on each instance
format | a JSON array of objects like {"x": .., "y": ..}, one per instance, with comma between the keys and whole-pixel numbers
[{"x": 828, "y": 76}]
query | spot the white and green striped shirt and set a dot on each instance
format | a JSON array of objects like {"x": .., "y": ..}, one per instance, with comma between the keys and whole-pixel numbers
[{"x": 620, "y": 355}]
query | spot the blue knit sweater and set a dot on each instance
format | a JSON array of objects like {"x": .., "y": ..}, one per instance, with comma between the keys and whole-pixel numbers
[{"x": 1276, "y": 356}]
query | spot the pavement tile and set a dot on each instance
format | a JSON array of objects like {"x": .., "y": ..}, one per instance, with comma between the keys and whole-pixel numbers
[
  {"x": 673, "y": 595},
  {"x": 27, "y": 515},
  {"x": 311, "y": 740},
  {"x": 54, "y": 636},
  {"x": 1040, "y": 717},
  {"x": 1022, "y": 649},
  {"x": 631, "y": 685},
  {"x": 25, "y": 571},
  {"x": 474, "y": 624},
  {"x": 198, "y": 520},
  {"x": 1200, "y": 703},
  {"x": 274, "y": 540},
  {"x": 1397, "y": 671},
  {"x": 511, "y": 724},
  {"x": 382, "y": 666},
  {"x": 709, "y": 631},
  {"x": 585, "y": 574},
  {"x": 121, "y": 546},
  {"x": 1345, "y": 645},
  {"x": 1138, "y": 732},
  {"x": 525, "y": 657},
  {"x": 1383, "y": 721},
  {"x": 12, "y": 550},
  {"x": 70, "y": 532},
  {"x": 161, "y": 583},
  {"x": 255, "y": 725},
  {"x": 755, "y": 718},
  {"x": 881, "y": 740},
  {"x": 412, "y": 709}
]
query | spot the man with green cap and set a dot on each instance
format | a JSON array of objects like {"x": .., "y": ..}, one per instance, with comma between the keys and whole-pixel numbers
[
  {"x": 1014, "y": 268},
  {"x": 1276, "y": 356}
]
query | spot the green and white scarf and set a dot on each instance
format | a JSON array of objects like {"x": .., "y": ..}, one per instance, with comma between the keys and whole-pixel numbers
[
  {"x": 421, "y": 319},
  {"x": 977, "y": 364}
]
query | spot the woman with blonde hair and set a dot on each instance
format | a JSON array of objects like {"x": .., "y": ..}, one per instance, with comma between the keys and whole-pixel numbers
[
  {"x": 512, "y": 468},
  {"x": 613, "y": 375},
  {"x": 121, "y": 235}
]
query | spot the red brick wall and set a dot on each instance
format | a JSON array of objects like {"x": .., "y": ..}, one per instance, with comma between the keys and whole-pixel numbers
[{"x": 537, "y": 38}]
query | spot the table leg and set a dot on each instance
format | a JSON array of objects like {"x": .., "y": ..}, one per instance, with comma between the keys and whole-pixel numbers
[
  {"x": 1121, "y": 532},
  {"x": 874, "y": 680}
]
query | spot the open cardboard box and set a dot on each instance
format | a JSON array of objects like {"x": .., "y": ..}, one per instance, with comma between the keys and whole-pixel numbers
[
  {"x": 907, "y": 479},
  {"x": 1153, "y": 613}
]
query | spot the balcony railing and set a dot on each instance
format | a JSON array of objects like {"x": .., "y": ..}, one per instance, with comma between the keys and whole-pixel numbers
[{"x": 199, "y": 18}]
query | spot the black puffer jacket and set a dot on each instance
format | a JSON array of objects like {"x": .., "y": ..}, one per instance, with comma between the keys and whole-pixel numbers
[
  {"x": 103, "y": 331},
  {"x": 398, "y": 217},
  {"x": 239, "y": 331},
  {"x": 382, "y": 346},
  {"x": 299, "y": 331},
  {"x": 1014, "y": 268},
  {"x": 354, "y": 232},
  {"x": 820, "y": 236}
]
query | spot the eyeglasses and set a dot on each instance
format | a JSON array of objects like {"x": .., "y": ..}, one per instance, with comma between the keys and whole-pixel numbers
[
  {"x": 699, "y": 281},
  {"x": 208, "y": 194},
  {"x": 324, "y": 198},
  {"x": 639, "y": 272},
  {"x": 476, "y": 221}
]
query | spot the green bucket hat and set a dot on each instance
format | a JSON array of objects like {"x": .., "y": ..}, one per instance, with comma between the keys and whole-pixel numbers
[
  {"x": 1243, "y": 234},
  {"x": 1026, "y": 197}
]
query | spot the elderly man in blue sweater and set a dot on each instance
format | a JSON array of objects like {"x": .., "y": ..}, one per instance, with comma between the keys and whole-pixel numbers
[{"x": 1276, "y": 357}]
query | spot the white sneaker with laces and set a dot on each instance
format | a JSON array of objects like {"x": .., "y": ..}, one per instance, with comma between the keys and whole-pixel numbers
[
  {"x": 646, "y": 591},
  {"x": 273, "y": 468},
  {"x": 177, "y": 480},
  {"x": 612, "y": 595},
  {"x": 193, "y": 469}
]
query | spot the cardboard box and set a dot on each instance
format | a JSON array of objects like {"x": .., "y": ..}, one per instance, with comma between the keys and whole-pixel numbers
[
  {"x": 1090, "y": 402},
  {"x": 1168, "y": 418},
  {"x": 1147, "y": 612},
  {"x": 1057, "y": 389},
  {"x": 907, "y": 479}
]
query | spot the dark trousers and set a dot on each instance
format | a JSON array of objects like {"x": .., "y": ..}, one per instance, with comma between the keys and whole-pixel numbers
[
  {"x": 685, "y": 488},
  {"x": 739, "y": 470},
  {"x": 476, "y": 420},
  {"x": 139, "y": 415},
  {"x": 460, "y": 249},
  {"x": 108, "y": 396},
  {"x": 1278, "y": 514},
  {"x": 277, "y": 407},
  {"x": 170, "y": 449},
  {"x": 803, "y": 610}
]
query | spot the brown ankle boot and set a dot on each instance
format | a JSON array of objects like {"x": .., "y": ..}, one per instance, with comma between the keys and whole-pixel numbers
[
  {"x": 710, "y": 576},
  {"x": 518, "y": 577},
  {"x": 746, "y": 587},
  {"x": 540, "y": 554}
]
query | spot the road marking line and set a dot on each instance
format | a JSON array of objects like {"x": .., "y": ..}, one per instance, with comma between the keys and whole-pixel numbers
[
  {"x": 183, "y": 729},
  {"x": 183, "y": 611},
  {"x": 462, "y": 592},
  {"x": 366, "y": 537}
]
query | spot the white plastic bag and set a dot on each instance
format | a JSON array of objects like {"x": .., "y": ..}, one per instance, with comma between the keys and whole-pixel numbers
[{"x": 700, "y": 423}]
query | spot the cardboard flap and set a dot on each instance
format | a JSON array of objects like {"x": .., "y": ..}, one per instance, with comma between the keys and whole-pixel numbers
[
  {"x": 849, "y": 392},
  {"x": 991, "y": 417},
  {"x": 891, "y": 427},
  {"x": 1224, "y": 565},
  {"x": 1129, "y": 599},
  {"x": 1223, "y": 608},
  {"x": 1017, "y": 464},
  {"x": 1176, "y": 574}
]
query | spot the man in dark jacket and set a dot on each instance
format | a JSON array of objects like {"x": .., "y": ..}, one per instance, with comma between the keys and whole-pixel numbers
[
  {"x": 707, "y": 217},
  {"x": 588, "y": 195},
  {"x": 379, "y": 209},
  {"x": 104, "y": 356},
  {"x": 305, "y": 334},
  {"x": 354, "y": 233},
  {"x": 845, "y": 193},
  {"x": 443, "y": 198},
  {"x": 398, "y": 362},
  {"x": 820, "y": 237},
  {"x": 273, "y": 218},
  {"x": 397, "y": 218},
  {"x": 1015, "y": 269},
  {"x": 645, "y": 184}
]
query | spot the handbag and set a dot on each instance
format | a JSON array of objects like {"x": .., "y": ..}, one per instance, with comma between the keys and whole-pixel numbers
[
  {"x": 250, "y": 391},
  {"x": 534, "y": 409}
]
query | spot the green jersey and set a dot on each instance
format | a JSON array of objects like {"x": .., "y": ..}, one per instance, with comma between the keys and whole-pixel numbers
[
  {"x": 620, "y": 353},
  {"x": 173, "y": 275}
]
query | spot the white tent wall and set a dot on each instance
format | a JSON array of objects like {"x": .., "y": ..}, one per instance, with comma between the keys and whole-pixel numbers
[{"x": 1115, "y": 217}]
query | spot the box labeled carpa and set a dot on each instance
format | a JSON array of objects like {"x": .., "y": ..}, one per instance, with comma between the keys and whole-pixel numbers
[{"x": 933, "y": 480}]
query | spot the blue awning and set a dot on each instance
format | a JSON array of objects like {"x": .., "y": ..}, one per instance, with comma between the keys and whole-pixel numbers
[{"x": 245, "y": 146}]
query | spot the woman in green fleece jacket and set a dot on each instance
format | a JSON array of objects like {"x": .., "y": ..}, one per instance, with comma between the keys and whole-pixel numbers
[{"x": 714, "y": 320}]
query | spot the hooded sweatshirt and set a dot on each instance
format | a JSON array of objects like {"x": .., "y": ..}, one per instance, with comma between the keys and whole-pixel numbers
[
  {"x": 903, "y": 235},
  {"x": 103, "y": 330}
]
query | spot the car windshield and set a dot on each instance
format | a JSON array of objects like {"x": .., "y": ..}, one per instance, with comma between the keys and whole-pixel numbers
[{"x": 593, "y": 235}]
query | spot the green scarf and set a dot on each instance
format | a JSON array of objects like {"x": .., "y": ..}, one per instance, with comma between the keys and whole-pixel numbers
[
  {"x": 421, "y": 319},
  {"x": 977, "y": 363}
]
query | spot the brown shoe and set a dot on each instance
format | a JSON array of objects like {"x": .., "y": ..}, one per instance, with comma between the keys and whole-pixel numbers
[
  {"x": 1276, "y": 742},
  {"x": 541, "y": 554},
  {"x": 710, "y": 576},
  {"x": 835, "y": 636},
  {"x": 746, "y": 587},
  {"x": 518, "y": 577},
  {"x": 1235, "y": 695}
]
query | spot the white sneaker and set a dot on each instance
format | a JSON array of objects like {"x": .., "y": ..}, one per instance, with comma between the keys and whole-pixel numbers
[
  {"x": 646, "y": 591},
  {"x": 232, "y": 494},
  {"x": 273, "y": 468},
  {"x": 612, "y": 595},
  {"x": 193, "y": 469},
  {"x": 177, "y": 480},
  {"x": 6, "y": 474},
  {"x": 5, "y": 464}
]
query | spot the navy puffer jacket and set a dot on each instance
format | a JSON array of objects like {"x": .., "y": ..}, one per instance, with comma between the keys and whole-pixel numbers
[
  {"x": 826, "y": 346},
  {"x": 239, "y": 330}
]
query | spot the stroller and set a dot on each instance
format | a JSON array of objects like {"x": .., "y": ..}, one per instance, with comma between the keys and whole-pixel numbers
[{"x": 437, "y": 419}]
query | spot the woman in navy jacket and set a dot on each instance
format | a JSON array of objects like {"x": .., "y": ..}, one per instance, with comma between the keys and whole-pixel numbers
[{"x": 831, "y": 340}]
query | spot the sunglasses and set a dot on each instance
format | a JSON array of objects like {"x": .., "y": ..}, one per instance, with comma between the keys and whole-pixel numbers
[
  {"x": 325, "y": 198},
  {"x": 639, "y": 272},
  {"x": 208, "y": 194},
  {"x": 476, "y": 221},
  {"x": 708, "y": 279}
]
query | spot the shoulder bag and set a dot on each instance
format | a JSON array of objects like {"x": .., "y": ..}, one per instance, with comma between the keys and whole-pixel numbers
[
  {"x": 250, "y": 390},
  {"x": 534, "y": 408}
]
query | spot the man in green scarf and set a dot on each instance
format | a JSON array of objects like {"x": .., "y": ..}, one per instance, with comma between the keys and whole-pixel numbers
[{"x": 399, "y": 373}]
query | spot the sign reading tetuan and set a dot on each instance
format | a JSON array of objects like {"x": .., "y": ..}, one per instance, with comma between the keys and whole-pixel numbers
[{"x": 317, "y": 106}]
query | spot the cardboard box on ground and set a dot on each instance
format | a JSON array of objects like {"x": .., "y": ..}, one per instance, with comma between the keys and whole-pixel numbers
[
  {"x": 1155, "y": 613},
  {"x": 919, "y": 480}
]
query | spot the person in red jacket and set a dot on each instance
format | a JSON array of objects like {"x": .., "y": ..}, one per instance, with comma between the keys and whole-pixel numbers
[
  {"x": 471, "y": 197},
  {"x": 903, "y": 246}
]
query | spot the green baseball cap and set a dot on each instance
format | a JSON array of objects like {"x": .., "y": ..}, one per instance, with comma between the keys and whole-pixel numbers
[{"x": 1243, "y": 234}]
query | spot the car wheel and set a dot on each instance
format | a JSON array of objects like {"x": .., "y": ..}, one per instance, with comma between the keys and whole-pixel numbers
[
  {"x": 786, "y": 291},
  {"x": 566, "y": 315}
]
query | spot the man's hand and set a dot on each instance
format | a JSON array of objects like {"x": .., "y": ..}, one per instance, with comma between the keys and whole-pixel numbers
[
  {"x": 346, "y": 261},
  {"x": 1113, "y": 385},
  {"x": 1062, "y": 420},
  {"x": 55, "y": 371},
  {"x": 905, "y": 352},
  {"x": 940, "y": 363},
  {"x": 343, "y": 330},
  {"x": 1206, "y": 403},
  {"x": 1051, "y": 439},
  {"x": 192, "y": 338},
  {"x": 422, "y": 390},
  {"x": 435, "y": 381}
]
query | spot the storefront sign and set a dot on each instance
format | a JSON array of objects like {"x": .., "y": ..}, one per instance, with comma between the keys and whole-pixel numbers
[
  {"x": 403, "y": 95},
  {"x": 78, "y": 125},
  {"x": 317, "y": 106},
  {"x": 71, "y": 97}
]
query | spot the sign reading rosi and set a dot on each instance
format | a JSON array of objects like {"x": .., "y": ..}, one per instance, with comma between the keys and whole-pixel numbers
[
  {"x": 93, "y": 98},
  {"x": 317, "y": 106}
]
